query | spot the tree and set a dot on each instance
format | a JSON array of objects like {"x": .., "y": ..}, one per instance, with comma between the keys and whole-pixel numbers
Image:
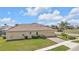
[
  {"x": 5, "y": 25},
  {"x": 63, "y": 25},
  {"x": 53, "y": 26}
]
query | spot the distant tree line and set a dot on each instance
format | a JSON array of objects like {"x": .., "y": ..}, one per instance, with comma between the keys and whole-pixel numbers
[{"x": 63, "y": 25}]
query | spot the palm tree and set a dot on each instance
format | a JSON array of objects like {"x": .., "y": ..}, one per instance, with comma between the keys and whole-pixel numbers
[{"x": 63, "y": 25}]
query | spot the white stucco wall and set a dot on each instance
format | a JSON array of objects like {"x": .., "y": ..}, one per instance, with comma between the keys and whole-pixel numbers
[{"x": 19, "y": 34}]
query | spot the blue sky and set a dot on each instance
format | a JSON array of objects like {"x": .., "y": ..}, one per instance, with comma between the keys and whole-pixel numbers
[{"x": 42, "y": 15}]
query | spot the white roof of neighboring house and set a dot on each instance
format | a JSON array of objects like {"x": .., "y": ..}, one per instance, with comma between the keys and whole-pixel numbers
[
  {"x": 29, "y": 27},
  {"x": 4, "y": 28}
]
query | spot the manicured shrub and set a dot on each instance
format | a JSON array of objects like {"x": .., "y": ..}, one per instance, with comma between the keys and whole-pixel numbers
[
  {"x": 63, "y": 34},
  {"x": 38, "y": 37},
  {"x": 33, "y": 37},
  {"x": 43, "y": 37},
  {"x": 4, "y": 37},
  {"x": 71, "y": 37}
]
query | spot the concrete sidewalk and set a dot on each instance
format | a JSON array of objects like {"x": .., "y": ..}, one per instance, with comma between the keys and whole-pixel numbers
[
  {"x": 69, "y": 44},
  {"x": 75, "y": 48},
  {"x": 55, "y": 39}
]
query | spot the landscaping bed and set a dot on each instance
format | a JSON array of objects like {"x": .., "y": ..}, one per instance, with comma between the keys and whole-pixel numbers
[
  {"x": 77, "y": 41},
  {"x": 66, "y": 37},
  {"x": 24, "y": 45},
  {"x": 59, "y": 48}
]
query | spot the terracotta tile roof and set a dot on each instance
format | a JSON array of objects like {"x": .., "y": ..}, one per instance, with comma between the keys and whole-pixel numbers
[{"x": 29, "y": 27}]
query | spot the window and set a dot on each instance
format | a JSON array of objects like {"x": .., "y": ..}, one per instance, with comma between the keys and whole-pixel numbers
[
  {"x": 22, "y": 34},
  {"x": 30, "y": 32},
  {"x": 36, "y": 33}
]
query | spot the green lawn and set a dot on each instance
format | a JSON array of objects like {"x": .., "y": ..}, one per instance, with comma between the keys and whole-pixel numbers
[
  {"x": 59, "y": 48},
  {"x": 24, "y": 45}
]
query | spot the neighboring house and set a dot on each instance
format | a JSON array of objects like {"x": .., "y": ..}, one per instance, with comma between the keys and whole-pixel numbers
[
  {"x": 3, "y": 30},
  {"x": 70, "y": 27},
  {"x": 21, "y": 31},
  {"x": 54, "y": 27}
]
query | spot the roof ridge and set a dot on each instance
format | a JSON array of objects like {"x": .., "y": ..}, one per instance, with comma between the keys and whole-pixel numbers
[
  {"x": 11, "y": 27},
  {"x": 29, "y": 27}
]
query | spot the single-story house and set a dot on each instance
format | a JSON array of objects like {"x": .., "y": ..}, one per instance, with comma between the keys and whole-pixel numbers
[{"x": 21, "y": 31}]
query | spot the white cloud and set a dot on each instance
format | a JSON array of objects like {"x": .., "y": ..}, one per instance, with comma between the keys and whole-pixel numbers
[
  {"x": 74, "y": 12},
  {"x": 32, "y": 11},
  {"x": 74, "y": 21},
  {"x": 51, "y": 16},
  {"x": 46, "y": 23},
  {"x": 72, "y": 17},
  {"x": 7, "y": 20},
  {"x": 35, "y": 11},
  {"x": 56, "y": 12}
]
